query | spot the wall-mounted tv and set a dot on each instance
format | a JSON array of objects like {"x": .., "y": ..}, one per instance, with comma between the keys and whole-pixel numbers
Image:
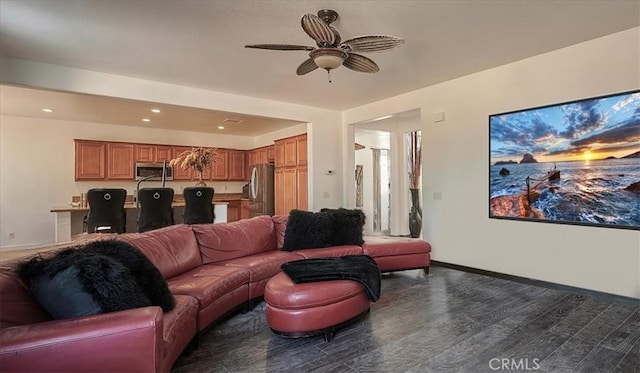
[{"x": 576, "y": 162}]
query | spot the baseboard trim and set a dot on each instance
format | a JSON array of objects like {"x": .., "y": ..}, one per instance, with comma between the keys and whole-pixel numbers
[{"x": 546, "y": 284}]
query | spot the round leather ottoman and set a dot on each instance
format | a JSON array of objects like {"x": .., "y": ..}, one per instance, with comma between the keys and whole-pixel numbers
[{"x": 301, "y": 310}]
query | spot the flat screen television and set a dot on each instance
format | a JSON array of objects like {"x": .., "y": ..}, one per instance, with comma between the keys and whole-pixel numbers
[{"x": 575, "y": 162}]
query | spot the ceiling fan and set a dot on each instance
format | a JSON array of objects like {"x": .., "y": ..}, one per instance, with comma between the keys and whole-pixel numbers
[{"x": 332, "y": 51}]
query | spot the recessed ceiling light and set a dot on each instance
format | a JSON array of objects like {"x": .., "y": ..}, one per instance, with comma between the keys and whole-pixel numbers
[
  {"x": 155, "y": 111},
  {"x": 220, "y": 127},
  {"x": 48, "y": 110},
  {"x": 232, "y": 121},
  {"x": 146, "y": 120}
]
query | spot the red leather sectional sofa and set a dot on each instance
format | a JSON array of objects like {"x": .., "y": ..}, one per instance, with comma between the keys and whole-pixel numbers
[{"x": 211, "y": 269}]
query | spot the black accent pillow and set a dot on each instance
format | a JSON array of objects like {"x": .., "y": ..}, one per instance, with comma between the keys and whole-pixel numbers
[
  {"x": 87, "y": 285},
  {"x": 307, "y": 230},
  {"x": 103, "y": 276},
  {"x": 346, "y": 226}
]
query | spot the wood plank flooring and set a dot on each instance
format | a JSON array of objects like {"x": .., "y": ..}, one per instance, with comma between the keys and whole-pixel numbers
[{"x": 447, "y": 321}]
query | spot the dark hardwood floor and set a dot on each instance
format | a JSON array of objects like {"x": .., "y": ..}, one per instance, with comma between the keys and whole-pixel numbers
[{"x": 447, "y": 321}]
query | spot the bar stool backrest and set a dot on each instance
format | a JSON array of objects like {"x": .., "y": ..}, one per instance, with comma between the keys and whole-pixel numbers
[
  {"x": 198, "y": 208},
  {"x": 106, "y": 210},
  {"x": 155, "y": 208}
]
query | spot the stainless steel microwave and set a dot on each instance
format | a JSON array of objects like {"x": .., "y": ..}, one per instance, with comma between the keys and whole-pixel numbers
[{"x": 153, "y": 171}]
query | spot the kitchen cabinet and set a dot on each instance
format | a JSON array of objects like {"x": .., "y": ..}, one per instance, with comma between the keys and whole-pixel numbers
[
  {"x": 237, "y": 209},
  {"x": 301, "y": 150},
  {"x": 178, "y": 172},
  {"x": 90, "y": 157},
  {"x": 291, "y": 175},
  {"x": 250, "y": 160},
  {"x": 162, "y": 153},
  {"x": 278, "y": 153},
  {"x": 301, "y": 189},
  {"x": 271, "y": 153},
  {"x": 278, "y": 181},
  {"x": 144, "y": 153},
  {"x": 236, "y": 165},
  {"x": 220, "y": 171},
  {"x": 290, "y": 151},
  {"x": 261, "y": 155},
  {"x": 120, "y": 161},
  {"x": 153, "y": 153}
]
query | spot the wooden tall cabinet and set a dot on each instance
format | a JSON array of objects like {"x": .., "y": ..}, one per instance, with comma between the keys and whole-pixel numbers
[
  {"x": 120, "y": 161},
  {"x": 291, "y": 176}
]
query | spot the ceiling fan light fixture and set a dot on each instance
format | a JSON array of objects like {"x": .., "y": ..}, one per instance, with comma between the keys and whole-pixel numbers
[{"x": 328, "y": 58}]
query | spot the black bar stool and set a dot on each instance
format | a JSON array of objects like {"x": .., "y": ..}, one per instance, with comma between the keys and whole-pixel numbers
[
  {"x": 155, "y": 208},
  {"x": 198, "y": 205},
  {"x": 106, "y": 210}
]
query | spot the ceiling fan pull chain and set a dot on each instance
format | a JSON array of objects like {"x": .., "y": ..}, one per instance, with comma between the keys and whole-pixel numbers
[{"x": 329, "y": 75}]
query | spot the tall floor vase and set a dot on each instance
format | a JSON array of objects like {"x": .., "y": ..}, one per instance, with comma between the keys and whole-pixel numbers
[{"x": 415, "y": 215}]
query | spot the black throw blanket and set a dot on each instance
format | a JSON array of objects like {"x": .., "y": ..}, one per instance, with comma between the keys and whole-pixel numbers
[{"x": 361, "y": 268}]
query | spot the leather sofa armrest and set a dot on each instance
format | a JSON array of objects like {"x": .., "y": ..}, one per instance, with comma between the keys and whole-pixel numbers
[{"x": 129, "y": 340}]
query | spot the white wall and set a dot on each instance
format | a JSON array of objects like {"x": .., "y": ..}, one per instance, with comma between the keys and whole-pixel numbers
[{"x": 455, "y": 163}]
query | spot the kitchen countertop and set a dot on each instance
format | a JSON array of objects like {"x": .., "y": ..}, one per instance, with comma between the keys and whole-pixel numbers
[{"x": 178, "y": 202}]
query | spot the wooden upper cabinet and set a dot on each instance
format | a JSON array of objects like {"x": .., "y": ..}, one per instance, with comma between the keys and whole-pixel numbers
[
  {"x": 144, "y": 152},
  {"x": 178, "y": 172},
  {"x": 236, "y": 165},
  {"x": 249, "y": 160},
  {"x": 290, "y": 152},
  {"x": 90, "y": 160},
  {"x": 278, "y": 153},
  {"x": 271, "y": 153},
  {"x": 162, "y": 153},
  {"x": 221, "y": 168},
  {"x": 120, "y": 161},
  {"x": 261, "y": 155},
  {"x": 301, "y": 146}
]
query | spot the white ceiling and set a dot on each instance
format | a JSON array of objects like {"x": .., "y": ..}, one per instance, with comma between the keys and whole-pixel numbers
[{"x": 201, "y": 43}]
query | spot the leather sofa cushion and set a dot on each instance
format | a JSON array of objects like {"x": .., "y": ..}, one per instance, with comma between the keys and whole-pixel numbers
[
  {"x": 262, "y": 266},
  {"x": 332, "y": 251},
  {"x": 283, "y": 293},
  {"x": 173, "y": 249},
  {"x": 208, "y": 283},
  {"x": 179, "y": 327},
  {"x": 280, "y": 224},
  {"x": 18, "y": 306},
  {"x": 220, "y": 242}
]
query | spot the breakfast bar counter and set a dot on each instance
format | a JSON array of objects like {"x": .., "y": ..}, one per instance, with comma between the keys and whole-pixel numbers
[{"x": 69, "y": 219}]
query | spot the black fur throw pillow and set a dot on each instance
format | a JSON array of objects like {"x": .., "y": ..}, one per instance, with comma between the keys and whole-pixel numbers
[
  {"x": 346, "y": 226},
  {"x": 103, "y": 276},
  {"x": 307, "y": 230}
]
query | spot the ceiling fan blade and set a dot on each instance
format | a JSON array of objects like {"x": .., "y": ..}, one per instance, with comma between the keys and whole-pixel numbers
[
  {"x": 372, "y": 43},
  {"x": 318, "y": 30},
  {"x": 306, "y": 67},
  {"x": 281, "y": 47},
  {"x": 360, "y": 63}
]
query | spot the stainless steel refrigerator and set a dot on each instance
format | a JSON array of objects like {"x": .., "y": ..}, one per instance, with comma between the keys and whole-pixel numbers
[{"x": 261, "y": 190}]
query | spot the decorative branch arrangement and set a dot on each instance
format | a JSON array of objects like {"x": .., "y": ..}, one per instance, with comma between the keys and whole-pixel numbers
[
  {"x": 414, "y": 158},
  {"x": 197, "y": 158}
]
